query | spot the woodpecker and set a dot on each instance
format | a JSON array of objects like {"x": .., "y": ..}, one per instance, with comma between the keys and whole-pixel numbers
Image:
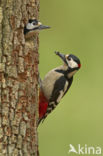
[
  {"x": 33, "y": 26},
  {"x": 56, "y": 83}
]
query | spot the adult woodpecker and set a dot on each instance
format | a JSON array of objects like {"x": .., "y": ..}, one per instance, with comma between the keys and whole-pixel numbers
[
  {"x": 33, "y": 26},
  {"x": 56, "y": 83}
]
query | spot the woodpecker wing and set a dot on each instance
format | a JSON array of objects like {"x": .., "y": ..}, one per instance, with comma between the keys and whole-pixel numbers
[{"x": 61, "y": 86}]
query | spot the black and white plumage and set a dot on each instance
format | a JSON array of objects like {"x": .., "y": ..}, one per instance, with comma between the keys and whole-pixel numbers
[
  {"x": 56, "y": 83},
  {"x": 33, "y": 26}
]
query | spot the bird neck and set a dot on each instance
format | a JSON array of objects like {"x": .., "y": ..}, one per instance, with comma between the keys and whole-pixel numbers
[{"x": 69, "y": 73}]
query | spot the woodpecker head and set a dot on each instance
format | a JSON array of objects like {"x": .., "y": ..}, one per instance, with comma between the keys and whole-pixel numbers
[
  {"x": 71, "y": 62},
  {"x": 33, "y": 26}
]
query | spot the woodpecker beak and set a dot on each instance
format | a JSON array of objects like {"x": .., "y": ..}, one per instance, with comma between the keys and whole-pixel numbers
[
  {"x": 40, "y": 26},
  {"x": 62, "y": 56}
]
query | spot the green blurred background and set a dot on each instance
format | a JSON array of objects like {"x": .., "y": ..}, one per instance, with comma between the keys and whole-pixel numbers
[{"x": 77, "y": 28}]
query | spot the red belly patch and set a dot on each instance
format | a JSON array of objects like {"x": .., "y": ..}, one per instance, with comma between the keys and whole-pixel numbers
[{"x": 43, "y": 104}]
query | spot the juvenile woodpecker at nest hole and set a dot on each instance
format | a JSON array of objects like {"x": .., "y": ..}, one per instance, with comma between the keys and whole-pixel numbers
[
  {"x": 33, "y": 26},
  {"x": 56, "y": 83}
]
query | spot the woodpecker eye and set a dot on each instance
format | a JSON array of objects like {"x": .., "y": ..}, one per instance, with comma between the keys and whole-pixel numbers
[
  {"x": 69, "y": 58},
  {"x": 34, "y": 23}
]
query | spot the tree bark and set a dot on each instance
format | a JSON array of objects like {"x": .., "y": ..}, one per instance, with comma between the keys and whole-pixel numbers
[{"x": 18, "y": 79}]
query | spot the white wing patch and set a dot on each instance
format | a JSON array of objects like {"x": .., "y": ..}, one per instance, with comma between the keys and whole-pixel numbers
[
  {"x": 60, "y": 96},
  {"x": 62, "y": 92}
]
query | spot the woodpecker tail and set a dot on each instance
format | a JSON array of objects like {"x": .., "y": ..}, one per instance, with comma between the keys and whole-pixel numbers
[{"x": 39, "y": 121}]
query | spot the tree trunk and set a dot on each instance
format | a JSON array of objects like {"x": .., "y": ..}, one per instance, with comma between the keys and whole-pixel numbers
[{"x": 18, "y": 79}]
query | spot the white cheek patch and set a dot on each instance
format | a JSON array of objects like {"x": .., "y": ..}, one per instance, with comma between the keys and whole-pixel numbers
[
  {"x": 30, "y": 26},
  {"x": 72, "y": 63}
]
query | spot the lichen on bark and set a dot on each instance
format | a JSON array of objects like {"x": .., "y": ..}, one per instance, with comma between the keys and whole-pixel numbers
[{"x": 18, "y": 79}]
